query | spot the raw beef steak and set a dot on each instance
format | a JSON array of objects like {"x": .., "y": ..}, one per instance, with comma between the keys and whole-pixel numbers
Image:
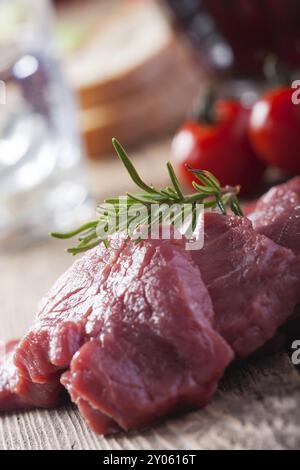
[
  {"x": 277, "y": 214},
  {"x": 253, "y": 282},
  {"x": 19, "y": 392},
  {"x": 130, "y": 327}
]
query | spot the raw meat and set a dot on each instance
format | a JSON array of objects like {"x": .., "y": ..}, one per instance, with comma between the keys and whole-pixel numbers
[
  {"x": 277, "y": 214},
  {"x": 253, "y": 282},
  {"x": 18, "y": 392},
  {"x": 133, "y": 325},
  {"x": 137, "y": 331}
]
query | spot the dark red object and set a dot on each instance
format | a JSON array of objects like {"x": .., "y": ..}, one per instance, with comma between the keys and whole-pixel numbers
[
  {"x": 139, "y": 319},
  {"x": 254, "y": 283},
  {"x": 244, "y": 30},
  {"x": 17, "y": 391},
  {"x": 221, "y": 147},
  {"x": 277, "y": 214},
  {"x": 136, "y": 331},
  {"x": 156, "y": 350},
  {"x": 275, "y": 129}
]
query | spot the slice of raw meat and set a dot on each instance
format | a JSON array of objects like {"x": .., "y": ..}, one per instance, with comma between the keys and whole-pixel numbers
[
  {"x": 63, "y": 321},
  {"x": 98, "y": 422},
  {"x": 18, "y": 392},
  {"x": 253, "y": 282},
  {"x": 277, "y": 214},
  {"x": 137, "y": 319},
  {"x": 156, "y": 351}
]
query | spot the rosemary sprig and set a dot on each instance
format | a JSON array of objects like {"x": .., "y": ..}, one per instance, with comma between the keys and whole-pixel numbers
[{"x": 208, "y": 192}]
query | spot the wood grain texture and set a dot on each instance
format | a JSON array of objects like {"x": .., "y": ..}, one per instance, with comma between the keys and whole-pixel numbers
[{"x": 257, "y": 406}]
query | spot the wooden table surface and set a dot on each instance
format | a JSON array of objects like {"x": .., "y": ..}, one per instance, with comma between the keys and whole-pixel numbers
[{"x": 256, "y": 407}]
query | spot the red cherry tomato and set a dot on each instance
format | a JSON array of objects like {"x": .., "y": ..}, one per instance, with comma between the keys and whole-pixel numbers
[
  {"x": 274, "y": 129},
  {"x": 221, "y": 147}
]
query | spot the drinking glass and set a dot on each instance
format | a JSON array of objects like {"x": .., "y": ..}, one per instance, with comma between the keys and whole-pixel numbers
[{"x": 42, "y": 175}]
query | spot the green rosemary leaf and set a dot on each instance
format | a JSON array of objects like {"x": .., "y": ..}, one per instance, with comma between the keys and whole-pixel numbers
[
  {"x": 175, "y": 181},
  {"x": 235, "y": 206},
  {"x": 221, "y": 205},
  {"x": 141, "y": 200},
  {"x": 85, "y": 241},
  {"x": 113, "y": 200},
  {"x": 211, "y": 204},
  {"x": 196, "y": 197},
  {"x": 83, "y": 235},
  {"x": 171, "y": 190},
  {"x": 76, "y": 250},
  {"x": 130, "y": 167},
  {"x": 214, "y": 181},
  {"x": 75, "y": 232},
  {"x": 203, "y": 179},
  {"x": 169, "y": 194},
  {"x": 176, "y": 220},
  {"x": 205, "y": 190},
  {"x": 106, "y": 243}
]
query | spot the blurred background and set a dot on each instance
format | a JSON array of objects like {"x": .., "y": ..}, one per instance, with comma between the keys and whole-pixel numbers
[
  {"x": 77, "y": 74},
  {"x": 74, "y": 74}
]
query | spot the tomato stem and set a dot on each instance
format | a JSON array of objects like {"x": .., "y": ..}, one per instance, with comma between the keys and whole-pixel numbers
[
  {"x": 276, "y": 72},
  {"x": 206, "y": 114}
]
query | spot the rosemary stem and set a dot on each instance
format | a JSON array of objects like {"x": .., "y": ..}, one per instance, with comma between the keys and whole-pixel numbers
[{"x": 207, "y": 192}]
